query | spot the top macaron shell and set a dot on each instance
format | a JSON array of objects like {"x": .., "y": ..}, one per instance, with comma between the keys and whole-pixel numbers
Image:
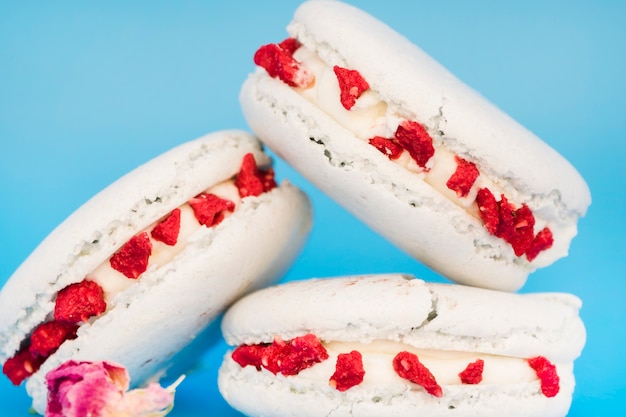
[{"x": 385, "y": 195}]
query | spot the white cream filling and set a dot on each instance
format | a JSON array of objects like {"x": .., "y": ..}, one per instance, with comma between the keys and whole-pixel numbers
[
  {"x": 371, "y": 116},
  {"x": 444, "y": 365},
  {"x": 114, "y": 282}
]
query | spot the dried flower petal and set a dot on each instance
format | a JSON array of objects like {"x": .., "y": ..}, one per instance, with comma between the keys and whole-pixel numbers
[
  {"x": 351, "y": 85},
  {"x": 463, "y": 178},
  {"x": 349, "y": 371},
  {"x": 78, "y": 302},
  {"x": 167, "y": 230},
  {"x": 473, "y": 373},
  {"x": 408, "y": 366},
  {"x": 132, "y": 258},
  {"x": 278, "y": 61},
  {"x": 546, "y": 372},
  {"x": 98, "y": 389}
]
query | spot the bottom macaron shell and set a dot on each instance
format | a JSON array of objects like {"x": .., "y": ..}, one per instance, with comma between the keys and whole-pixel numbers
[
  {"x": 260, "y": 393},
  {"x": 171, "y": 306}
]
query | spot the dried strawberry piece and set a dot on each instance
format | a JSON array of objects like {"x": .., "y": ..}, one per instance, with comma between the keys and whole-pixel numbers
[
  {"x": 413, "y": 137},
  {"x": 488, "y": 210},
  {"x": 251, "y": 181},
  {"x": 278, "y": 61},
  {"x": 132, "y": 258},
  {"x": 209, "y": 209},
  {"x": 516, "y": 226},
  {"x": 167, "y": 230},
  {"x": 79, "y": 301},
  {"x": 48, "y": 336},
  {"x": 351, "y": 85},
  {"x": 546, "y": 372},
  {"x": 463, "y": 178},
  {"x": 543, "y": 240},
  {"x": 303, "y": 352},
  {"x": 387, "y": 146},
  {"x": 250, "y": 355},
  {"x": 473, "y": 373},
  {"x": 408, "y": 366},
  {"x": 21, "y": 366},
  {"x": 349, "y": 371}
]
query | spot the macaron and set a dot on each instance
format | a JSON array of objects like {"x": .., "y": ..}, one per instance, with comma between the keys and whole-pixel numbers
[
  {"x": 138, "y": 274},
  {"x": 419, "y": 156},
  {"x": 394, "y": 345}
]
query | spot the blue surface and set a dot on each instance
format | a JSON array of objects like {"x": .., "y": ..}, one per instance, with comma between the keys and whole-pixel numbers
[{"x": 88, "y": 90}]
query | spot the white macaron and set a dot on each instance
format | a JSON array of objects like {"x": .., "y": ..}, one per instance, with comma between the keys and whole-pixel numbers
[
  {"x": 392, "y": 345},
  {"x": 419, "y": 156},
  {"x": 140, "y": 271}
]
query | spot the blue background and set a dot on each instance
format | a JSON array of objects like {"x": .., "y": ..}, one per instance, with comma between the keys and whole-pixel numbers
[{"x": 88, "y": 90}]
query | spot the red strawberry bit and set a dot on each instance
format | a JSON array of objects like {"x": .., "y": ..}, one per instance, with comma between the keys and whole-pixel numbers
[
  {"x": 546, "y": 372},
  {"x": 408, "y": 366},
  {"x": 413, "y": 137},
  {"x": 351, "y": 85},
  {"x": 543, "y": 240},
  {"x": 78, "y": 302},
  {"x": 210, "y": 209},
  {"x": 387, "y": 146},
  {"x": 167, "y": 230},
  {"x": 516, "y": 226},
  {"x": 473, "y": 373},
  {"x": 250, "y": 355},
  {"x": 251, "y": 181},
  {"x": 278, "y": 61},
  {"x": 303, "y": 352},
  {"x": 21, "y": 366},
  {"x": 463, "y": 178},
  {"x": 48, "y": 336},
  {"x": 287, "y": 358},
  {"x": 132, "y": 258},
  {"x": 349, "y": 371},
  {"x": 488, "y": 210}
]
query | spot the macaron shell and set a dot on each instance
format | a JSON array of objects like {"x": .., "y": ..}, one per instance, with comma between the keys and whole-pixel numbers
[
  {"x": 168, "y": 307},
  {"x": 98, "y": 228},
  {"x": 399, "y": 308},
  {"x": 257, "y": 393}
]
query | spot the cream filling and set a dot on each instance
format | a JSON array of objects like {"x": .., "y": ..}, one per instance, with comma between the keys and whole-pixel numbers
[
  {"x": 114, "y": 282},
  {"x": 371, "y": 116},
  {"x": 444, "y": 365}
]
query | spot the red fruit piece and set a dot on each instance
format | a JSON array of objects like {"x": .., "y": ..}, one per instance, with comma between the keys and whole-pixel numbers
[
  {"x": 413, "y": 137},
  {"x": 303, "y": 352},
  {"x": 132, "y": 258},
  {"x": 351, "y": 85},
  {"x": 463, "y": 178},
  {"x": 473, "y": 373},
  {"x": 209, "y": 209},
  {"x": 543, "y": 240},
  {"x": 249, "y": 355},
  {"x": 287, "y": 358},
  {"x": 278, "y": 61},
  {"x": 349, "y": 371},
  {"x": 516, "y": 226},
  {"x": 21, "y": 366},
  {"x": 48, "y": 336},
  {"x": 546, "y": 372},
  {"x": 488, "y": 210},
  {"x": 251, "y": 181},
  {"x": 78, "y": 302},
  {"x": 387, "y": 146},
  {"x": 408, "y": 366},
  {"x": 167, "y": 230}
]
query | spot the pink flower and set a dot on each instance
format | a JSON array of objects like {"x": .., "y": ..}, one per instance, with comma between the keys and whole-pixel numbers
[{"x": 100, "y": 389}]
